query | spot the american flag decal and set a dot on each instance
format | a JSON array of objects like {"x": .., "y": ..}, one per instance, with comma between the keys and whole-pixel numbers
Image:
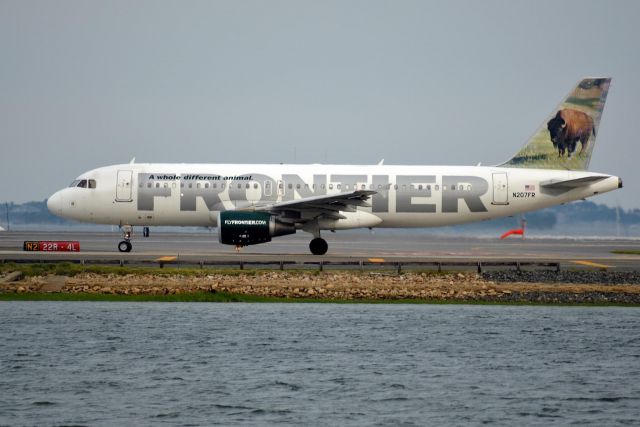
[{"x": 529, "y": 187}]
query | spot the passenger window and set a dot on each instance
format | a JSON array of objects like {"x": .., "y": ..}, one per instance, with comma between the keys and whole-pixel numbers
[
  {"x": 239, "y": 186},
  {"x": 322, "y": 186},
  {"x": 206, "y": 185},
  {"x": 395, "y": 187},
  {"x": 255, "y": 186},
  {"x": 158, "y": 185},
  {"x": 182, "y": 185},
  {"x": 92, "y": 183},
  {"x": 290, "y": 186},
  {"x": 215, "y": 185},
  {"x": 298, "y": 186},
  {"x": 469, "y": 187},
  {"x": 338, "y": 186},
  {"x": 420, "y": 187},
  {"x": 437, "y": 187},
  {"x": 460, "y": 187},
  {"x": 330, "y": 186},
  {"x": 247, "y": 185},
  {"x": 346, "y": 186},
  {"x": 166, "y": 185},
  {"x": 222, "y": 185},
  {"x": 149, "y": 185}
]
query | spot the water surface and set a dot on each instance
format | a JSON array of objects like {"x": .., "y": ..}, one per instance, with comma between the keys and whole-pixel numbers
[{"x": 317, "y": 364}]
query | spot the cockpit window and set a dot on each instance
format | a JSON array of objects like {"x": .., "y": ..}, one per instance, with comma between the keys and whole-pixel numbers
[{"x": 84, "y": 183}]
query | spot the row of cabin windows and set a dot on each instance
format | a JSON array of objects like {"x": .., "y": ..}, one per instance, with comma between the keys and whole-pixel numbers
[
  {"x": 84, "y": 183},
  {"x": 419, "y": 187}
]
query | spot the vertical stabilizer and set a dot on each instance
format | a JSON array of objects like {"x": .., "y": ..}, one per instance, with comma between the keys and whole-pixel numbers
[{"x": 566, "y": 139}]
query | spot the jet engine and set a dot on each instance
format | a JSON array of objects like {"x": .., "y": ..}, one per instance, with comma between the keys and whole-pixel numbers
[{"x": 250, "y": 228}]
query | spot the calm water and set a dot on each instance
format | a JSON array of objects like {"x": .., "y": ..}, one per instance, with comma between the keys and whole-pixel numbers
[{"x": 255, "y": 364}]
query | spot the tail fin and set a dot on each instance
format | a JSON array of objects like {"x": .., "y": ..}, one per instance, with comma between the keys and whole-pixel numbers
[{"x": 566, "y": 139}]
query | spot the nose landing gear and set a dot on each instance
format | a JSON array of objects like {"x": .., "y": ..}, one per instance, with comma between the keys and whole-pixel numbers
[{"x": 125, "y": 245}]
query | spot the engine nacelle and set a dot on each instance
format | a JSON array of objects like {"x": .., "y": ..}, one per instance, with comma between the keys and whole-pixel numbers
[{"x": 250, "y": 228}]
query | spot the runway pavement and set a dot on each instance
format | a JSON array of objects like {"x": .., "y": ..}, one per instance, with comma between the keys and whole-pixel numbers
[{"x": 398, "y": 246}]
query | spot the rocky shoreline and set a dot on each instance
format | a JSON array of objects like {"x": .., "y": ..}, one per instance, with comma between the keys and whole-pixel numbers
[{"x": 508, "y": 287}]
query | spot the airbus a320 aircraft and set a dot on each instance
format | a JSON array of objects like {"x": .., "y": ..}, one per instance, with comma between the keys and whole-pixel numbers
[{"x": 251, "y": 204}]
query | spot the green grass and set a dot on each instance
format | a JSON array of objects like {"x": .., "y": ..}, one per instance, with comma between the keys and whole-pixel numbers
[
  {"x": 222, "y": 297},
  {"x": 626, "y": 251},
  {"x": 72, "y": 269},
  {"x": 181, "y": 297}
]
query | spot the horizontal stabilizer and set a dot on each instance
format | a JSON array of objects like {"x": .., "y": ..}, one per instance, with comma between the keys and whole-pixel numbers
[{"x": 572, "y": 183}]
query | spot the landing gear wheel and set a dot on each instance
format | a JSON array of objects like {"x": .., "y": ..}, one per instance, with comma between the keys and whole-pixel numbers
[
  {"x": 124, "y": 246},
  {"x": 318, "y": 246}
]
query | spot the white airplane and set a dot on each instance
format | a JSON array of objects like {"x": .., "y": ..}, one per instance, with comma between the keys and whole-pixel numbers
[{"x": 252, "y": 203}]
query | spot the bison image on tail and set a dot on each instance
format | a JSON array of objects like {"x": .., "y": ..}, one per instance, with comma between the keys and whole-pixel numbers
[{"x": 567, "y": 128}]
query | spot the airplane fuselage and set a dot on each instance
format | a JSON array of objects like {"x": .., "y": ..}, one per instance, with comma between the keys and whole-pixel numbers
[{"x": 405, "y": 196}]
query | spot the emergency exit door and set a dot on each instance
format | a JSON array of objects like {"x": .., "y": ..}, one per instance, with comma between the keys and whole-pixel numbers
[
  {"x": 123, "y": 186},
  {"x": 500, "y": 189}
]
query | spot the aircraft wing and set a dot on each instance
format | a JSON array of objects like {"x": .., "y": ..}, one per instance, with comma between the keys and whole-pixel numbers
[
  {"x": 572, "y": 183},
  {"x": 311, "y": 207}
]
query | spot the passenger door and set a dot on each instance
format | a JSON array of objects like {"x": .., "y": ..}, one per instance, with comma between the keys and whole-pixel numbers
[
  {"x": 500, "y": 189},
  {"x": 123, "y": 186}
]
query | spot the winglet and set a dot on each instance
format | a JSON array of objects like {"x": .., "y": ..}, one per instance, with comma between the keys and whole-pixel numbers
[{"x": 381, "y": 162}]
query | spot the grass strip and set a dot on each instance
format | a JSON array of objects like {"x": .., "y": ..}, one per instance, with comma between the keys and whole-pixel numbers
[
  {"x": 225, "y": 297},
  {"x": 626, "y": 251}
]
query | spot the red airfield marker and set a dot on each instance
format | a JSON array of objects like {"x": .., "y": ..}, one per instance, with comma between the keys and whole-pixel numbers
[{"x": 518, "y": 231}]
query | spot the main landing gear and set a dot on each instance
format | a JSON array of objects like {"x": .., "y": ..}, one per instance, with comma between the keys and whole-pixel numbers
[
  {"x": 318, "y": 246},
  {"x": 125, "y": 245}
]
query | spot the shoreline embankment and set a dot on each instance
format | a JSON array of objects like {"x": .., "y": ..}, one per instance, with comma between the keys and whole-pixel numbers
[{"x": 501, "y": 287}]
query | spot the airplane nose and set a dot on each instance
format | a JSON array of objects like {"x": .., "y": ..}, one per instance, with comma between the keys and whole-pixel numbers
[{"x": 54, "y": 203}]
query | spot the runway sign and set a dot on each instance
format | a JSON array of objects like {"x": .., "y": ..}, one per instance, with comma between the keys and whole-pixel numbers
[{"x": 51, "y": 246}]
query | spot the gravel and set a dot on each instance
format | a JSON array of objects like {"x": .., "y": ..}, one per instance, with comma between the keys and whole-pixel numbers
[{"x": 542, "y": 276}]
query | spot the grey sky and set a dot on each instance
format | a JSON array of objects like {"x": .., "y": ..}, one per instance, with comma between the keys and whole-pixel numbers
[{"x": 89, "y": 83}]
